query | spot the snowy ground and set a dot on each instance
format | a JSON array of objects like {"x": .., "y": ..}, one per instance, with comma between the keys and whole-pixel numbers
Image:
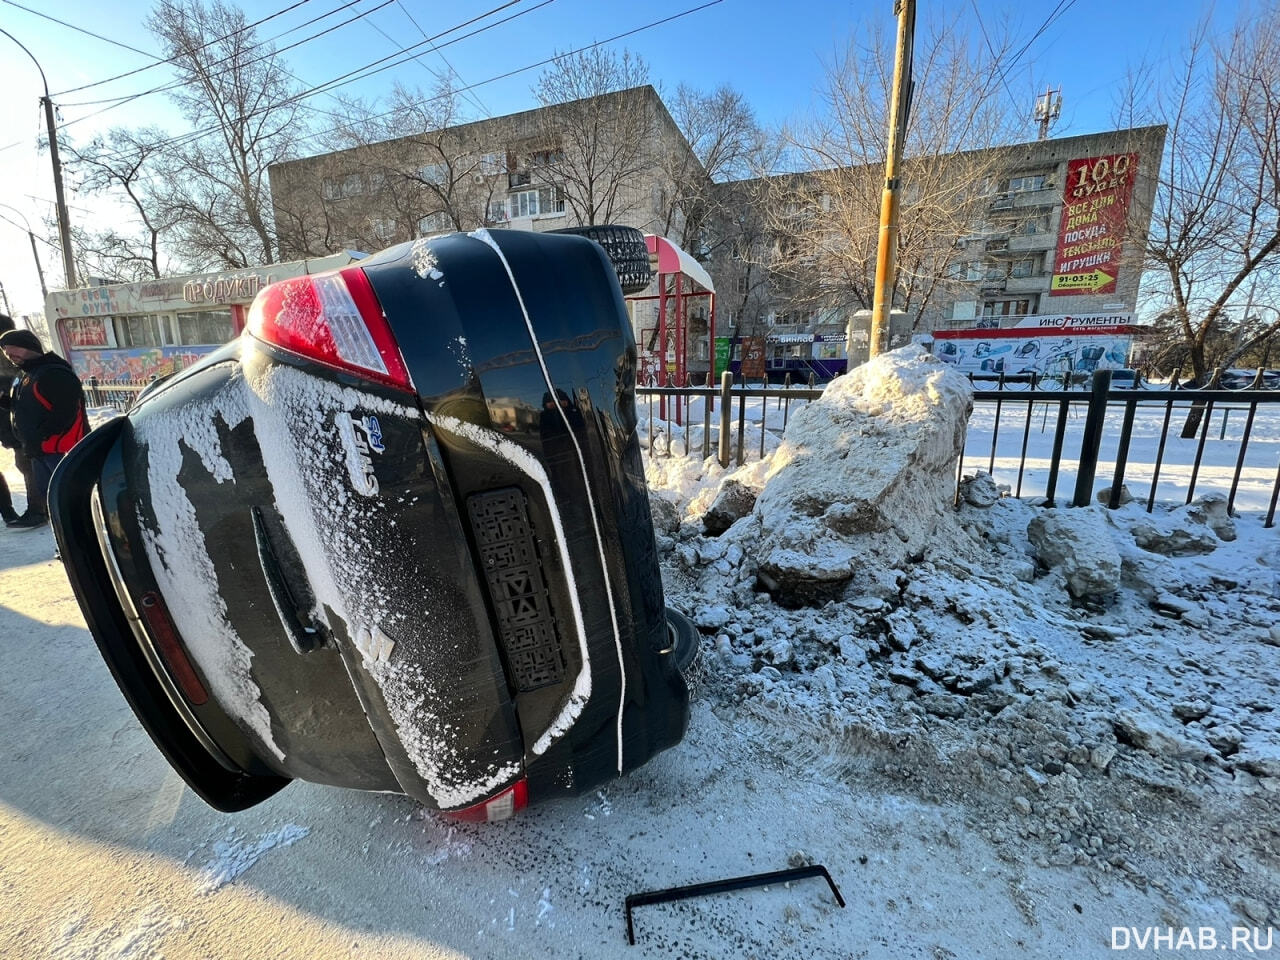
[{"x": 986, "y": 767}]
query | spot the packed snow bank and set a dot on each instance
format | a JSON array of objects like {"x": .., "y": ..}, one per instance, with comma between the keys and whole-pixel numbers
[
  {"x": 1092, "y": 691},
  {"x": 861, "y": 478}
]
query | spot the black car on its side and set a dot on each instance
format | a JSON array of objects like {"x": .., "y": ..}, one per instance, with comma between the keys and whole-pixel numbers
[{"x": 394, "y": 537}]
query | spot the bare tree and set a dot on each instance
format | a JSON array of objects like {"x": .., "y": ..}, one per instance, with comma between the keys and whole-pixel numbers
[
  {"x": 596, "y": 142},
  {"x": 1214, "y": 241},
  {"x": 724, "y": 144},
  {"x": 379, "y": 185},
  {"x": 122, "y": 165},
  {"x": 826, "y": 220},
  {"x": 246, "y": 116}
]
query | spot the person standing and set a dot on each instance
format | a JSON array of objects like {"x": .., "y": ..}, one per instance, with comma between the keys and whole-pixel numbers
[
  {"x": 7, "y": 374},
  {"x": 46, "y": 413}
]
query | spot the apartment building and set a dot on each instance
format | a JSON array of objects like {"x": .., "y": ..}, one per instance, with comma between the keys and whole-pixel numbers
[
  {"x": 1038, "y": 235},
  {"x": 606, "y": 159},
  {"x": 1037, "y": 232}
]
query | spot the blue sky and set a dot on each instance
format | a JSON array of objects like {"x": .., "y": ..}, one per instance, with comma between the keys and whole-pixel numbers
[{"x": 773, "y": 52}]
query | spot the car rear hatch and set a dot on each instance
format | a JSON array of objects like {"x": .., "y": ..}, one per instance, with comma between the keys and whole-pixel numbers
[{"x": 426, "y": 591}]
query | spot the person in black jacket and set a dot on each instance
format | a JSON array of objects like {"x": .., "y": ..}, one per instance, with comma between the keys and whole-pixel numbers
[
  {"x": 47, "y": 415},
  {"x": 7, "y": 373}
]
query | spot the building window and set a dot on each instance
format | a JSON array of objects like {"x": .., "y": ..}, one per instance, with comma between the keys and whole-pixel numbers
[
  {"x": 1034, "y": 225},
  {"x": 1026, "y": 182},
  {"x": 203, "y": 327},
  {"x": 1021, "y": 269},
  {"x": 1006, "y": 308},
  {"x": 335, "y": 188},
  {"x": 382, "y": 228},
  {"x": 137, "y": 331},
  {"x": 497, "y": 212},
  {"x": 438, "y": 222},
  {"x": 492, "y": 163},
  {"x": 700, "y": 350},
  {"x": 741, "y": 285},
  {"x": 546, "y": 158},
  {"x": 524, "y": 204},
  {"x": 550, "y": 201},
  {"x": 436, "y": 174}
]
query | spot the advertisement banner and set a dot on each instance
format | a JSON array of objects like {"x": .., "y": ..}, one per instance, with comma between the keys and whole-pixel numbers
[
  {"x": 753, "y": 356},
  {"x": 724, "y": 346},
  {"x": 85, "y": 332},
  {"x": 140, "y": 363},
  {"x": 1073, "y": 358},
  {"x": 1095, "y": 206}
]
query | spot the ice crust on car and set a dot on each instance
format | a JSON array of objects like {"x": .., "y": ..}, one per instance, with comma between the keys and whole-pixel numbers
[
  {"x": 293, "y": 419},
  {"x": 292, "y": 416},
  {"x": 180, "y": 561},
  {"x": 528, "y": 464}
]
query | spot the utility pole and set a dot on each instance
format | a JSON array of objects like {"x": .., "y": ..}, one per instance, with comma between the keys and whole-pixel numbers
[
  {"x": 1048, "y": 109},
  {"x": 64, "y": 223},
  {"x": 899, "y": 111},
  {"x": 35, "y": 253}
]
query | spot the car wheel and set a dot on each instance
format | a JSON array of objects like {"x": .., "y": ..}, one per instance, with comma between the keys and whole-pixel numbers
[
  {"x": 684, "y": 639},
  {"x": 625, "y": 249}
]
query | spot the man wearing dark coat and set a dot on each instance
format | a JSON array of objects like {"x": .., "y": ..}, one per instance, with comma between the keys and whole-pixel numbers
[
  {"x": 7, "y": 373},
  {"x": 46, "y": 412}
]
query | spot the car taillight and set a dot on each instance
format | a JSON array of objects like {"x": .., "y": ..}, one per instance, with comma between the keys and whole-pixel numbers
[
  {"x": 334, "y": 318},
  {"x": 160, "y": 627},
  {"x": 506, "y": 803}
]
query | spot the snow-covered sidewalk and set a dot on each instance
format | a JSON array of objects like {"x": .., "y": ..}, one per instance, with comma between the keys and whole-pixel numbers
[{"x": 987, "y": 767}]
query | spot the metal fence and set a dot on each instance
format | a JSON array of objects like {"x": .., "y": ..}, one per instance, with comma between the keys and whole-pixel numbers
[
  {"x": 1178, "y": 427},
  {"x": 120, "y": 394}
]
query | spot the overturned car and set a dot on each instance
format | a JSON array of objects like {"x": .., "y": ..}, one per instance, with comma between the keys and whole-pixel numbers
[{"x": 395, "y": 537}]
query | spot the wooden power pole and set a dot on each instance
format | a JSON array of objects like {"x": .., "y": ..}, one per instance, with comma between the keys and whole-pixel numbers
[{"x": 899, "y": 110}]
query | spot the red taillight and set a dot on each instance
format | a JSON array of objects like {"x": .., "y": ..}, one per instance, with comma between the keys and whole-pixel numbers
[
  {"x": 160, "y": 627},
  {"x": 499, "y": 807},
  {"x": 334, "y": 318}
]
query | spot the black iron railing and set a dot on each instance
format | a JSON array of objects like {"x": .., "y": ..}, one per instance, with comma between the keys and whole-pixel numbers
[
  {"x": 1093, "y": 433},
  {"x": 120, "y": 394}
]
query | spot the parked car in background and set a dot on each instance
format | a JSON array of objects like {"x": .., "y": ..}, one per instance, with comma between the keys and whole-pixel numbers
[
  {"x": 395, "y": 537},
  {"x": 1240, "y": 379},
  {"x": 1126, "y": 379}
]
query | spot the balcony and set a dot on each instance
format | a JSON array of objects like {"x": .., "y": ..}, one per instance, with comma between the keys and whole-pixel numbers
[
  {"x": 1034, "y": 284},
  {"x": 1021, "y": 242},
  {"x": 1048, "y": 197}
]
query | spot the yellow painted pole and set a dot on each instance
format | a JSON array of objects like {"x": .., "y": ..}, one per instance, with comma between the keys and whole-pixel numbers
[{"x": 899, "y": 107}]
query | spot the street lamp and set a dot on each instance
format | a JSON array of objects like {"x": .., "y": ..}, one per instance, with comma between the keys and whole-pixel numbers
[
  {"x": 34, "y": 252},
  {"x": 64, "y": 224}
]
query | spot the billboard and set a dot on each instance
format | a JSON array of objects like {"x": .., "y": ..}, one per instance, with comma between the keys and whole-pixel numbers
[
  {"x": 753, "y": 352},
  {"x": 1068, "y": 346},
  {"x": 1095, "y": 206}
]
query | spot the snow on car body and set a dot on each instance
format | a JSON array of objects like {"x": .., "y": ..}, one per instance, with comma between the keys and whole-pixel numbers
[{"x": 395, "y": 537}]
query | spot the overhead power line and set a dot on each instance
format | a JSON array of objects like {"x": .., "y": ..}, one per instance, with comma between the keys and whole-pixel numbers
[
  {"x": 116, "y": 43},
  {"x": 175, "y": 84},
  {"x": 178, "y": 141},
  {"x": 351, "y": 76}
]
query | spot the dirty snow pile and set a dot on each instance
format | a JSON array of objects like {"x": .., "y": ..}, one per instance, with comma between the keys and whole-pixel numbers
[{"x": 1095, "y": 687}]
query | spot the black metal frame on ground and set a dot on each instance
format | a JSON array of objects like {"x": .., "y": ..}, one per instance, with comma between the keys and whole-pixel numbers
[{"x": 726, "y": 886}]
